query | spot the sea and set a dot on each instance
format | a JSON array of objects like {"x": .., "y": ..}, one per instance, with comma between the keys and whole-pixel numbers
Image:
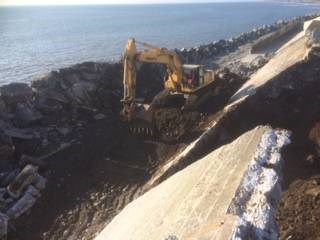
[{"x": 35, "y": 40}]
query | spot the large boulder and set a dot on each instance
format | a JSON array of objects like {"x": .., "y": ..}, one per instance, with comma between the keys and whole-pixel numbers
[
  {"x": 81, "y": 92},
  {"x": 49, "y": 81},
  {"x": 6, "y": 150},
  {"x": 26, "y": 115},
  {"x": 16, "y": 92},
  {"x": 4, "y": 111}
]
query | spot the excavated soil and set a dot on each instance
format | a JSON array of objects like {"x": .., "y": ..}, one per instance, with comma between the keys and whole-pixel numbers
[
  {"x": 299, "y": 214},
  {"x": 91, "y": 181}
]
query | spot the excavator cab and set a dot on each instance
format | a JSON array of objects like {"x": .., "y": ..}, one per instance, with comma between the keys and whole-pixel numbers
[
  {"x": 192, "y": 76},
  {"x": 195, "y": 77}
]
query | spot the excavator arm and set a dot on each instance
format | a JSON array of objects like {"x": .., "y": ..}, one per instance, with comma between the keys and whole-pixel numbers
[{"x": 166, "y": 57}]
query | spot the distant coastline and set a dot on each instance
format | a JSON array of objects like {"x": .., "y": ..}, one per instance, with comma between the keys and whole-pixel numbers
[{"x": 297, "y": 1}]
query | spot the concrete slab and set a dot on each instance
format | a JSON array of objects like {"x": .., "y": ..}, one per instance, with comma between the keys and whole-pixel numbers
[
  {"x": 285, "y": 58},
  {"x": 193, "y": 203}
]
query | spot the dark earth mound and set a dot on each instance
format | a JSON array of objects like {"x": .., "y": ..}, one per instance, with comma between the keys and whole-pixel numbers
[{"x": 299, "y": 214}]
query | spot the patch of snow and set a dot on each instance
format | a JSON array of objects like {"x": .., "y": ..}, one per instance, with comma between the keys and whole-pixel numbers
[{"x": 258, "y": 196}]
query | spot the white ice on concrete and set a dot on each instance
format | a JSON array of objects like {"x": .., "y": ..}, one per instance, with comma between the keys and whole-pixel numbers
[{"x": 258, "y": 195}]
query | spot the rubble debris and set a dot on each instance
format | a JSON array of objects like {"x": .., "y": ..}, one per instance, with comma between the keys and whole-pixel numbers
[
  {"x": 9, "y": 177},
  {"x": 80, "y": 92},
  {"x": 40, "y": 182},
  {"x": 99, "y": 116},
  {"x": 25, "y": 203},
  {"x": 27, "y": 176},
  {"x": 4, "y": 112},
  {"x": 19, "y": 133},
  {"x": 16, "y": 92},
  {"x": 64, "y": 130},
  {"x": 3, "y": 226},
  {"x": 6, "y": 150},
  {"x": 25, "y": 115}
]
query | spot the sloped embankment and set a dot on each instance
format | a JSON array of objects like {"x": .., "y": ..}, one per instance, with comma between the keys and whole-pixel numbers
[{"x": 289, "y": 100}]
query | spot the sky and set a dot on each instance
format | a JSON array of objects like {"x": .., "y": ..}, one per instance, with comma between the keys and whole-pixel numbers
[{"x": 72, "y": 2}]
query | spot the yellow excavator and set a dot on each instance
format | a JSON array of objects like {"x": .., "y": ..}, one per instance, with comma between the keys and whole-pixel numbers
[{"x": 182, "y": 79}]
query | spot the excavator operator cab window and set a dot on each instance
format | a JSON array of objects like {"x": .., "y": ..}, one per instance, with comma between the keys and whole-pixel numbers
[
  {"x": 201, "y": 76},
  {"x": 192, "y": 76}
]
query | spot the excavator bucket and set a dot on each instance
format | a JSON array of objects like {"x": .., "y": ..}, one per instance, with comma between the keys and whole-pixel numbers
[
  {"x": 139, "y": 117},
  {"x": 145, "y": 119}
]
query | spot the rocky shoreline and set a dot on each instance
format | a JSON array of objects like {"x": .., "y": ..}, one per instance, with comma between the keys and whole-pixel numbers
[
  {"x": 52, "y": 114},
  {"x": 202, "y": 53}
]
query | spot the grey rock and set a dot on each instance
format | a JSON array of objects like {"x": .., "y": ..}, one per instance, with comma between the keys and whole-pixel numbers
[
  {"x": 99, "y": 116},
  {"x": 19, "y": 133},
  {"x": 26, "y": 115},
  {"x": 25, "y": 159},
  {"x": 24, "y": 204},
  {"x": 80, "y": 92},
  {"x": 27, "y": 176},
  {"x": 71, "y": 78},
  {"x": 89, "y": 76},
  {"x": 56, "y": 95},
  {"x": 258, "y": 62},
  {"x": 40, "y": 182},
  {"x": 6, "y": 150},
  {"x": 49, "y": 81},
  {"x": 6, "y": 155},
  {"x": 10, "y": 177},
  {"x": 16, "y": 92},
  {"x": 51, "y": 101},
  {"x": 3, "y": 109},
  {"x": 63, "y": 131},
  {"x": 3, "y": 226}
]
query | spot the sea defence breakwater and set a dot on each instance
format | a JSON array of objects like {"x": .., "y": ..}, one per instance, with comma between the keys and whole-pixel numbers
[{"x": 64, "y": 132}]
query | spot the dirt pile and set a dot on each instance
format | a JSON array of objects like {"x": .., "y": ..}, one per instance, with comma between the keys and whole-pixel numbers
[
  {"x": 299, "y": 214},
  {"x": 174, "y": 123}
]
